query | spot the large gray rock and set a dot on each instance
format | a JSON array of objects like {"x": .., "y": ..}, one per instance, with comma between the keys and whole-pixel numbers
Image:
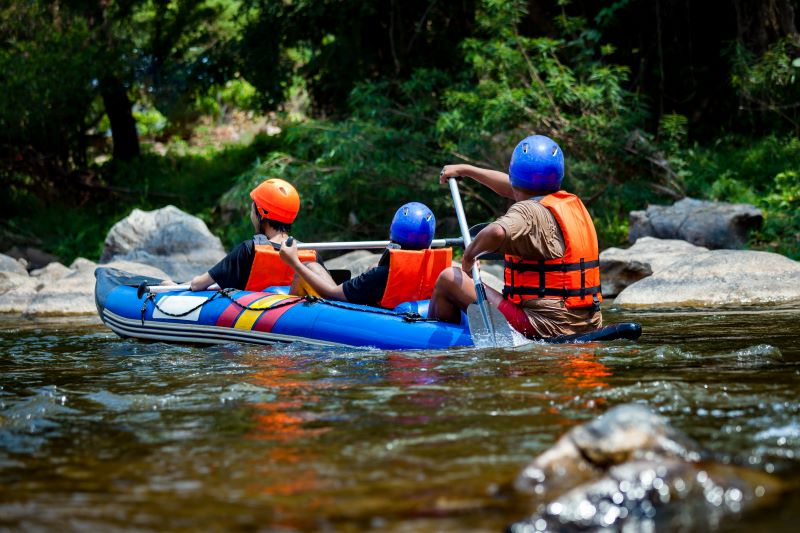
[
  {"x": 620, "y": 267},
  {"x": 57, "y": 290},
  {"x": 11, "y": 264},
  {"x": 16, "y": 291},
  {"x": 50, "y": 273},
  {"x": 617, "y": 470},
  {"x": 709, "y": 224},
  {"x": 169, "y": 239},
  {"x": 716, "y": 279},
  {"x": 73, "y": 293},
  {"x": 357, "y": 262}
]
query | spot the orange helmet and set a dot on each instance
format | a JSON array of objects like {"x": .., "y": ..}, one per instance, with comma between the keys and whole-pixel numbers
[{"x": 277, "y": 200}]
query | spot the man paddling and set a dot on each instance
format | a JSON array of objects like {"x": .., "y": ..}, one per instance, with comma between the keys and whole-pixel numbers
[
  {"x": 255, "y": 264},
  {"x": 552, "y": 274},
  {"x": 405, "y": 272}
]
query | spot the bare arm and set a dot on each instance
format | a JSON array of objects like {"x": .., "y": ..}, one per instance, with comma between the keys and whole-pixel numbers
[
  {"x": 488, "y": 240},
  {"x": 202, "y": 282},
  {"x": 498, "y": 181},
  {"x": 323, "y": 285}
]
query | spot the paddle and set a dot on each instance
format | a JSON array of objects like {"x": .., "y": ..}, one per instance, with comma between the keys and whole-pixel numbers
[
  {"x": 156, "y": 289},
  {"x": 487, "y": 325},
  {"x": 365, "y": 245},
  {"x": 346, "y": 245}
]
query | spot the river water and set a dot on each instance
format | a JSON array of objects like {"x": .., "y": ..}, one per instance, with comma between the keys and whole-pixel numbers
[{"x": 102, "y": 433}]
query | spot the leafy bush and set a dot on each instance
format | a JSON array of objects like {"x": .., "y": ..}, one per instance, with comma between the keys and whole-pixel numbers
[
  {"x": 762, "y": 172},
  {"x": 770, "y": 83}
]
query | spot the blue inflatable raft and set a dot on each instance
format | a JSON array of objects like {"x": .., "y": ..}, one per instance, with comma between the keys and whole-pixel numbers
[{"x": 211, "y": 317}]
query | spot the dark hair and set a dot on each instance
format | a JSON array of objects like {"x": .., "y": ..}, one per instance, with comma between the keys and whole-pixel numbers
[
  {"x": 284, "y": 227},
  {"x": 280, "y": 226}
]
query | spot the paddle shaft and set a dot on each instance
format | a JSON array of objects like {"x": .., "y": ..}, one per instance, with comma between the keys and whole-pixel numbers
[
  {"x": 367, "y": 245},
  {"x": 476, "y": 275},
  {"x": 346, "y": 245},
  {"x": 156, "y": 289}
]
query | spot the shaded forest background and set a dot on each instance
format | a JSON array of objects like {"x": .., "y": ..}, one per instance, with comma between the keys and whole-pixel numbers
[{"x": 115, "y": 104}]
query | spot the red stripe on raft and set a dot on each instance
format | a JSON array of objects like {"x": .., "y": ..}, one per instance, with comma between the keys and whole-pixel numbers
[
  {"x": 231, "y": 313},
  {"x": 267, "y": 320}
]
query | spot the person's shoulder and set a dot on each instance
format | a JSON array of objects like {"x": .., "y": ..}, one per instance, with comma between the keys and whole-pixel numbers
[
  {"x": 526, "y": 207},
  {"x": 245, "y": 246}
]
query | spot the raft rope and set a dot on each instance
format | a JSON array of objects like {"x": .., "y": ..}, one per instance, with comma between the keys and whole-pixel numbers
[{"x": 407, "y": 316}]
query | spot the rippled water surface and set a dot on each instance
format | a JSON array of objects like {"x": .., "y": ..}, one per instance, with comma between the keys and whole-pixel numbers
[{"x": 102, "y": 433}]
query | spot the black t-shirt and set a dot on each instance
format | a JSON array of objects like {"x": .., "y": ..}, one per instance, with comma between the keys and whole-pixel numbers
[
  {"x": 233, "y": 270},
  {"x": 368, "y": 288}
]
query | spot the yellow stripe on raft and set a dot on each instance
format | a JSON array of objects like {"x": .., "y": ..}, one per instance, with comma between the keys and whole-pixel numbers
[{"x": 248, "y": 317}]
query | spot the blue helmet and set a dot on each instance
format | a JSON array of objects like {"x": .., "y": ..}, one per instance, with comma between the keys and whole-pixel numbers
[
  {"x": 537, "y": 164},
  {"x": 413, "y": 226}
]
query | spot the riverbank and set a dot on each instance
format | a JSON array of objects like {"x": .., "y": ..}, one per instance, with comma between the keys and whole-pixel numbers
[{"x": 211, "y": 180}]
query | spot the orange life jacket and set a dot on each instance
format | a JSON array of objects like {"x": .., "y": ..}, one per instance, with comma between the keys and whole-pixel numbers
[
  {"x": 575, "y": 277},
  {"x": 413, "y": 273},
  {"x": 269, "y": 270}
]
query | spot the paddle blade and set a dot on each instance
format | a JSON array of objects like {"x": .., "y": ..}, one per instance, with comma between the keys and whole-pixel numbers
[{"x": 504, "y": 335}]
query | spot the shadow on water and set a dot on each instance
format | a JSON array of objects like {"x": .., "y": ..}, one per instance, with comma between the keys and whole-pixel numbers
[{"x": 98, "y": 432}]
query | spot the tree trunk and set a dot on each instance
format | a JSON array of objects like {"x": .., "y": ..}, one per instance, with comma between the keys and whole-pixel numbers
[
  {"x": 763, "y": 22},
  {"x": 123, "y": 126}
]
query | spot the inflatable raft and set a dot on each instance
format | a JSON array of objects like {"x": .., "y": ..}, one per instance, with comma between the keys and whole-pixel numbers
[{"x": 211, "y": 317}]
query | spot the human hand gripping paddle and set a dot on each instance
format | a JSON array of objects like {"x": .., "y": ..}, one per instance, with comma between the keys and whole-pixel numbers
[{"x": 487, "y": 325}]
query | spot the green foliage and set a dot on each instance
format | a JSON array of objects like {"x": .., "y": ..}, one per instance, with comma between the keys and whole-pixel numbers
[
  {"x": 770, "y": 83},
  {"x": 47, "y": 91},
  {"x": 394, "y": 93},
  {"x": 149, "y": 121},
  {"x": 557, "y": 87},
  {"x": 351, "y": 176},
  {"x": 192, "y": 181},
  {"x": 761, "y": 172}
]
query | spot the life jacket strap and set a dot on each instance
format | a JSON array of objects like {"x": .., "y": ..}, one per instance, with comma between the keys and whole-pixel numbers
[
  {"x": 555, "y": 267},
  {"x": 538, "y": 291}
]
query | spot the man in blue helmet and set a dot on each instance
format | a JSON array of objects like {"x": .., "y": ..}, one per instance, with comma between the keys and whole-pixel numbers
[
  {"x": 406, "y": 271},
  {"x": 552, "y": 274}
]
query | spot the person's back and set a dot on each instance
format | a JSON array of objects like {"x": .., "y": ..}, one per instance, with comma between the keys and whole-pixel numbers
[
  {"x": 255, "y": 264},
  {"x": 407, "y": 270},
  {"x": 552, "y": 277},
  {"x": 547, "y": 238}
]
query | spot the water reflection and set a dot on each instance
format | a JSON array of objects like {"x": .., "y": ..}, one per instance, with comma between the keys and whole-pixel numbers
[
  {"x": 584, "y": 370},
  {"x": 283, "y": 422}
]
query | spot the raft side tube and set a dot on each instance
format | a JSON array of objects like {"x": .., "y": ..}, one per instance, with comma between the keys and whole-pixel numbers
[
  {"x": 110, "y": 278},
  {"x": 623, "y": 330}
]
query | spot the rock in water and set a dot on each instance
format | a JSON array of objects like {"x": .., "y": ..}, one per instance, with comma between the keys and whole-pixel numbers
[
  {"x": 718, "y": 279},
  {"x": 703, "y": 223},
  {"x": 169, "y": 239},
  {"x": 630, "y": 470},
  {"x": 622, "y": 267}
]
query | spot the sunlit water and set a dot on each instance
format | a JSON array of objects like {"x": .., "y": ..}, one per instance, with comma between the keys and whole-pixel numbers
[{"x": 101, "y": 433}]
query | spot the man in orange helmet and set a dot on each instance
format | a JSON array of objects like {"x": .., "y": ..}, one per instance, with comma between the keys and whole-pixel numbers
[{"x": 254, "y": 264}]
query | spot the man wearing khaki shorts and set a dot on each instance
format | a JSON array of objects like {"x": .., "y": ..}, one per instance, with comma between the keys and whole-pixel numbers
[{"x": 552, "y": 277}]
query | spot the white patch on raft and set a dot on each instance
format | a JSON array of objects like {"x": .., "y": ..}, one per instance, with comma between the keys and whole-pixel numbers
[{"x": 177, "y": 305}]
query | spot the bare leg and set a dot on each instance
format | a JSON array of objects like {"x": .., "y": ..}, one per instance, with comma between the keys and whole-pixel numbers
[
  {"x": 453, "y": 292},
  {"x": 301, "y": 288}
]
